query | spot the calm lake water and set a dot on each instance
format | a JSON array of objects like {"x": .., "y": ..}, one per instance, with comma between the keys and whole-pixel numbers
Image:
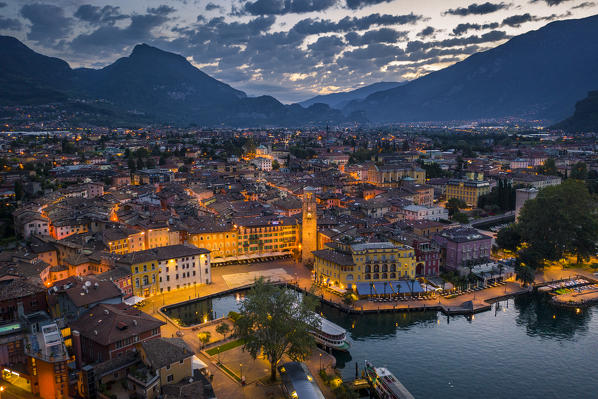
[{"x": 522, "y": 348}]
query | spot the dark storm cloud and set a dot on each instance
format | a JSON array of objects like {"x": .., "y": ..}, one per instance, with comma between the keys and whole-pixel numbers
[
  {"x": 311, "y": 26},
  {"x": 217, "y": 30},
  {"x": 9, "y": 24},
  {"x": 383, "y": 35},
  {"x": 212, "y": 6},
  {"x": 477, "y": 9},
  {"x": 464, "y": 28},
  {"x": 281, "y": 7},
  {"x": 356, "y": 4},
  {"x": 99, "y": 15},
  {"x": 585, "y": 4},
  {"x": 428, "y": 31},
  {"x": 2, "y": 4},
  {"x": 48, "y": 23}
]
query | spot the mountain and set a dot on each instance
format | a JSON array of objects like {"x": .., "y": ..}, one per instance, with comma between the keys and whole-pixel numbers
[
  {"x": 585, "y": 118},
  {"x": 537, "y": 75},
  {"x": 162, "y": 86},
  {"x": 341, "y": 99}
]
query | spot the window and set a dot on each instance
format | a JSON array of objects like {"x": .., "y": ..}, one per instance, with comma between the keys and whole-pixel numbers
[{"x": 170, "y": 377}]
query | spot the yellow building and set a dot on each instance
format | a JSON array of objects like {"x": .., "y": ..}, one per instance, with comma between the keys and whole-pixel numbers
[
  {"x": 345, "y": 264},
  {"x": 393, "y": 175},
  {"x": 145, "y": 272},
  {"x": 263, "y": 237},
  {"x": 170, "y": 358},
  {"x": 466, "y": 190},
  {"x": 123, "y": 241},
  {"x": 219, "y": 238}
]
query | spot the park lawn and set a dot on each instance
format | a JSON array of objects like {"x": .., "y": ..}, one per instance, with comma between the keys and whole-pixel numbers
[{"x": 225, "y": 347}]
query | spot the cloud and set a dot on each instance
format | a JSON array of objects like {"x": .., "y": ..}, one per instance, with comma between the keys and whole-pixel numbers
[
  {"x": 383, "y": 35},
  {"x": 585, "y": 4},
  {"x": 326, "y": 47},
  {"x": 550, "y": 2},
  {"x": 2, "y": 4},
  {"x": 428, "y": 31},
  {"x": 114, "y": 39},
  {"x": 492, "y": 36},
  {"x": 10, "y": 23},
  {"x": 356, "y": 4},
  {"x": 161, "y": 10},
  {"x": 477, "y": 9},
  {"x": 311, "y": 26},
  {"x": 464, "y": 28},
  {"x": 48, "y": 23},
  {"x": 515, "y": 21},
  {"x": 211, "y": 6},
  {"x": 281, "y": 7},
  {"x": 99, "y": 15}
]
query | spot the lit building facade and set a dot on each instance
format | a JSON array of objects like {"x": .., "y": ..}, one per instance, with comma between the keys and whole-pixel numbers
[
  {"x": 466, "y": 190},
  {"x": 309, "y": 225},
  {"x": 344, "y": 265}
]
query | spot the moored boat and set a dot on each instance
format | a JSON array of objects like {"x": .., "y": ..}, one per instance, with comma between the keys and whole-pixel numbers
[
  {"x": 331, "y": 335},
  {"x": 385, "y": 384}
]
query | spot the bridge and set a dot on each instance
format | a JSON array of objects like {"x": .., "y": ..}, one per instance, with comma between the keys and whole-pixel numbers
[{"x": 491, "y": 220}]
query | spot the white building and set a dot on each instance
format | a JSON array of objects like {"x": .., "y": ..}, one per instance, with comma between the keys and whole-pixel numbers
[
  {"x": 264, "y": 164},
  {"x": 183, "y": 266},
  {"x": 420, "y": 212},
  {"x": 521, "y": 196}
]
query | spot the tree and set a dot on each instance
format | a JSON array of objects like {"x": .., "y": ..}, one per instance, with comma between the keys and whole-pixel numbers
[
  {"x": 579, "y": 171},
  {"x": 223, "y": 329},
  {"x": 275, "y": 165},
  {"x": 276, "y": 321},
  {"x": 460, "y": 217},
  {"x": 19, "y": 192},
  {"x": 508, "y": 238},
  {"x": 204, "y": 337},
  {"x": 525, "y": 274},
  {"x": 454, "y": 204},
  {"x": 561, "y": 219},
  {"x": 132, "y": 165},
  {"x": 548, "y": 168}
]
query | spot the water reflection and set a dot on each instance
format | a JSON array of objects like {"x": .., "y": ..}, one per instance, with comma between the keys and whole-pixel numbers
[
  {"x": 541, "y": 318},
  {"x": 201, "y": 311}
]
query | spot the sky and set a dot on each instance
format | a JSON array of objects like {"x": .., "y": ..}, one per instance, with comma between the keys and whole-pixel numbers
[{"x": 291, "y": 49}]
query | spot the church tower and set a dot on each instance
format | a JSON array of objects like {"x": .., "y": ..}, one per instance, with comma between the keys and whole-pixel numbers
[{"x": 309, "y": 227}]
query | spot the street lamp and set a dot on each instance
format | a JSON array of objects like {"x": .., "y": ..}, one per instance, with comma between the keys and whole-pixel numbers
[
  {"x": 1, "y": 390},
  {"x": 241, "y": 365},
  {"x": 320, "y": 362}
]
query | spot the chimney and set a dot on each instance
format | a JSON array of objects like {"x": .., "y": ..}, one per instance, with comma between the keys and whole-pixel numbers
[{"x": 77, "y": 348}]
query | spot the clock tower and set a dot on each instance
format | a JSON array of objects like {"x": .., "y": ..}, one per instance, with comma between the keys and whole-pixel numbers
[{"x": 309, "y": 226}]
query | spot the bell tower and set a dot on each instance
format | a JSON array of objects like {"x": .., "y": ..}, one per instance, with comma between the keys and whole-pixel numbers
[{"x": 309, "y": 226}]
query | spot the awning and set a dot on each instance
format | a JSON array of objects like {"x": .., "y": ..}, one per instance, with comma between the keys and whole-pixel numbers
[
  {"x": 197, "y": 363},
  {"x": 133, "y": 300}
]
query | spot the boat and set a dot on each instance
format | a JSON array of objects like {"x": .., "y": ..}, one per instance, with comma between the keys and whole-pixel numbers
[
  {"x": 385, "y": 384},
  {"x": 331, "y": 335}
]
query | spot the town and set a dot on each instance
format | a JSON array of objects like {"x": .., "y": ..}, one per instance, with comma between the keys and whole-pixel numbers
[{"x": 119, "y": 243}]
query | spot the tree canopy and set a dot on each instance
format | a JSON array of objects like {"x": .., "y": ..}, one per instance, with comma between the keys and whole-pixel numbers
[
  {"x": 561, "y": 219},
  {"x": 277, "y": 321}
]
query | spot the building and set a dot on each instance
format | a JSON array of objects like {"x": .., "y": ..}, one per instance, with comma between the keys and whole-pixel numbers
[
  {"x": 265, "y": 237},
  {"x": 167, "y": 268},
  {"x": 521, "y": 196},
  {"x": 121, "y": 240},
  {"x": 219, "y": 238},
  {"x": 71, "y": 297},
  {"x": 309, "y": 225},
  {"x": 108, "y": 331},
  {"x": 20, "y": 296},
  {"x": 169, "y": 358},
  {"x": 536, "y": 181},
  {"x": 466, "y": 190},
  {"x": 393, "y": 175},
  {"x": 263, "y": 164},
  {"x": 419, "y": 212},
  {"x": 345, "y": 264},
  {"x": 427, "y": 253},
  {"x": 152, "y": 176},
  {"x": 463, "y": 247}
]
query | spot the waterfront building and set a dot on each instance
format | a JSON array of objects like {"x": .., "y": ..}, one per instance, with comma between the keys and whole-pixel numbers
[
  {"x": 346, "y": 264},
  {"x": 427, "y": 253},
  {"x": 463, "y": 247},
  {"x": 466, "y": 190},
  {"x": 218, "y": 237},
  {"x": 264, "y": 237},
  {"x": 309, "y": 225}
]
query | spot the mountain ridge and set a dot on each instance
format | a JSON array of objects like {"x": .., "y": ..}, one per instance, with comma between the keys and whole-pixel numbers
[{"x": 340, "y": 99}]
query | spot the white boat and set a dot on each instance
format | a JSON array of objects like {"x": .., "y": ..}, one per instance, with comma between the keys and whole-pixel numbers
[
  {"x": 385, "y": 384},
  {"x": 331, "y": 335}
]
